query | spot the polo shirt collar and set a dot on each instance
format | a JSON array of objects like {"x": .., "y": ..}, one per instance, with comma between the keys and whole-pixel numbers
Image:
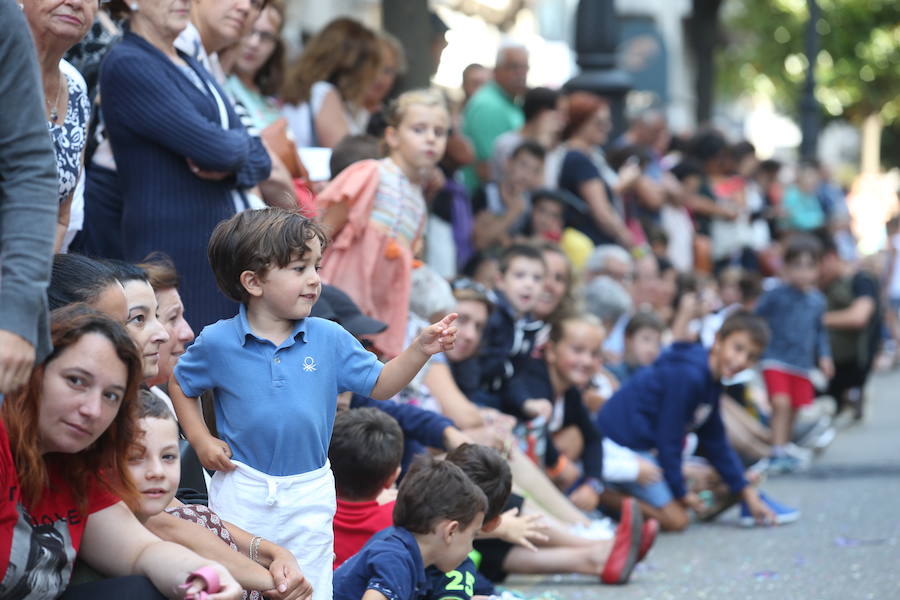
[
  {"x": 244, "y": 330},
  {"x": 413, "y": 548},
  {"x": 502, "y": 92}
]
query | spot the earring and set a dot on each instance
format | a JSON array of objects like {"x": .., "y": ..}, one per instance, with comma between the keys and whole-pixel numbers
[{"x": 134, "y": 6}]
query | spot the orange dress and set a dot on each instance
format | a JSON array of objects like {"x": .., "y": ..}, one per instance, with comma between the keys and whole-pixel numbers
[{"x": 371, "y": 257}]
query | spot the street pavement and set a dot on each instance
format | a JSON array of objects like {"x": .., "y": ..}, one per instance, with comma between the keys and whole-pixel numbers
[{"x": 846, "y": 545}]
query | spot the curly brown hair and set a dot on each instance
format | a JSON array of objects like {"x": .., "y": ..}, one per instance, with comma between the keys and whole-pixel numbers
[{"x": 345, "y": 53}]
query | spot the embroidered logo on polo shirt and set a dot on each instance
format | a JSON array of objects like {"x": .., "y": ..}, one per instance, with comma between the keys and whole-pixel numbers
[{"x": 309, "y": 364}]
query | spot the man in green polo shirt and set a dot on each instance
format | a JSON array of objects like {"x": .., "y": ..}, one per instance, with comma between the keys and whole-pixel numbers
[{"x": 494, "y": 110}]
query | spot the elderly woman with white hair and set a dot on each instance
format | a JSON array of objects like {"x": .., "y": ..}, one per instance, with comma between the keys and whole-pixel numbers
[
  {"x": 609, "y": 301},
  {"x": 613, "y": 261},
  {"x": 56, "y": 27}
]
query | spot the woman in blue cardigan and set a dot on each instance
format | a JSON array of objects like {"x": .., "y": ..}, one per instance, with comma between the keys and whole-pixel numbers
[{"x": 184, "y": 160}]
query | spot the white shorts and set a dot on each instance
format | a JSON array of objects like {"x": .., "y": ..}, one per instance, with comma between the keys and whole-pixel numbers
[{"x": 295, "y": 511}]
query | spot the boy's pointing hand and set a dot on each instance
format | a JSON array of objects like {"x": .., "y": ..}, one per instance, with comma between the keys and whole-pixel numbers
[{"x": 439, "y": 337}]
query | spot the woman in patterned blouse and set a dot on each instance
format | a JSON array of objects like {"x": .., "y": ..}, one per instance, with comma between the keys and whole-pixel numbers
[{"x": 57, "y": 26}]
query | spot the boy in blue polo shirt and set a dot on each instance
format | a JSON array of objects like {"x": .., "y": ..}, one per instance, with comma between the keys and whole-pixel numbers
[
  {"x": 436, "y": 516},
  {"x": 276, "y": 375}
]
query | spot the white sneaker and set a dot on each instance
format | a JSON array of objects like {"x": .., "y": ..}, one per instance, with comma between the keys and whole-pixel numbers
[
  {"x": 804, "y": 455},
  {"x": 824, "y": 440},
  {"x": 599, "y": 529}
]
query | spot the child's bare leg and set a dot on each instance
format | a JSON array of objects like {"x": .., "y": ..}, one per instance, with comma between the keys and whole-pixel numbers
[
  {"x": 747, "y": 435},
  {"x": 586, "y": 560},
  {"x": 672, "y": 516},
  {"x": 556, "y": 532},
  {"x": 757, "y": 429},
  {"x": 532, "y": 480},
  {"x": 782, "y": 418}
]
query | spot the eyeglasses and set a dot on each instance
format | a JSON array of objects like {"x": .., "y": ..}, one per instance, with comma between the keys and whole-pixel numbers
[
  {"x": 464, "y": 283},
  {"x": 264, "y": 36},
  {"x": 483, "y": 294}
]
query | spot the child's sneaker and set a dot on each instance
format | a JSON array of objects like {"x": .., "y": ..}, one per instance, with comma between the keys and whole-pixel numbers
[
  {"x": 804, "y": 455},
  {"x": 648, "y": 536},
  {"x": 783, "y": 514},
  {"x": 780, "y": 465},
  {"x": 599, "y": 529}
]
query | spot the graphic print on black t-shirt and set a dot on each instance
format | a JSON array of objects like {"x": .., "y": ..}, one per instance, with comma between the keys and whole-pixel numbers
[{"x": 40, "y": 560}]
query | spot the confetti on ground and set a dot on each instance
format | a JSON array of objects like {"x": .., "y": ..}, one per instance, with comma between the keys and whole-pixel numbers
[{"x": 848, "y": 542}]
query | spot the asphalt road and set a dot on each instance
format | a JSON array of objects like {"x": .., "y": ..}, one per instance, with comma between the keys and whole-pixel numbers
[{"x": 846, "y": 545}]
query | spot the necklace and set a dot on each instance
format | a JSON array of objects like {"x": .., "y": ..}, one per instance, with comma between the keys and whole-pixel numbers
[{"x": 54, "y": 113}]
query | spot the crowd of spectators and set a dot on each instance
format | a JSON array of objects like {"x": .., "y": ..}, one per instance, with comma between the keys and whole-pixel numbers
[{"x": 481, "y": 336}]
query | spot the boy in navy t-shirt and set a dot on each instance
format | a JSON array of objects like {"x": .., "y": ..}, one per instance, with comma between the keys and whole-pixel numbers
[{"x": 437, "y": 513}]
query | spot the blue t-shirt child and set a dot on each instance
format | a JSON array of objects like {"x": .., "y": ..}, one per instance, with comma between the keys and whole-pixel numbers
[
  {"x": 459, "y": 584},
  {"x": 275, "y": 406},
  {"x": 390, "y": 563}
]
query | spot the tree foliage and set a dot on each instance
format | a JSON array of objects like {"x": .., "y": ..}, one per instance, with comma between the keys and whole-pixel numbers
[{"x": 858, "y": 65}]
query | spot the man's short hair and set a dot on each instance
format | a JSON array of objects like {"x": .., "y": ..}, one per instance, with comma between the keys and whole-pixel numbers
[
  {"x": 505, "y": 48},
  {"x": 743, "y": 320},
  {"x": 538, "y": 100},
  {"x": 471, "y": 68},
  {"x": 644, "y": 115},
  {"x": 519, "y": 251},
  {"x": 800, "y": 245},
  {"x": 530, "y": 147},
  {"x": 750, "y": 285},
  {"x": 257, "y": 240},
  {"x": 351, "y": 149},
  {"x": 548, "y": 195},
  {"x": 487, "y": 469},
  {"x": 434, "y": 490},
  {"x": 366, "y": 448}
]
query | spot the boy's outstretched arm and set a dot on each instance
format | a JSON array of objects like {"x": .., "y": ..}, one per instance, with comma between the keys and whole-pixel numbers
[
  {"x": 397, "y": 373},
  {"x": 212, "y": 452},
  {"x": 374, "y": 595}
]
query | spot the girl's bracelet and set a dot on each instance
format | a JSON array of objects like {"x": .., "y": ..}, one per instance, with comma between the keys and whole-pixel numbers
[{"x": 254, "y": 548}]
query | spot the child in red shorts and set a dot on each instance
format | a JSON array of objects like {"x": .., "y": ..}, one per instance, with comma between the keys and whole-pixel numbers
[{"x": 799, "y": 342}]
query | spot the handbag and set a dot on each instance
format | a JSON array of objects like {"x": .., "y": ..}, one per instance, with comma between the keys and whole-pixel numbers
[{"x": 277, "y": 141}]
